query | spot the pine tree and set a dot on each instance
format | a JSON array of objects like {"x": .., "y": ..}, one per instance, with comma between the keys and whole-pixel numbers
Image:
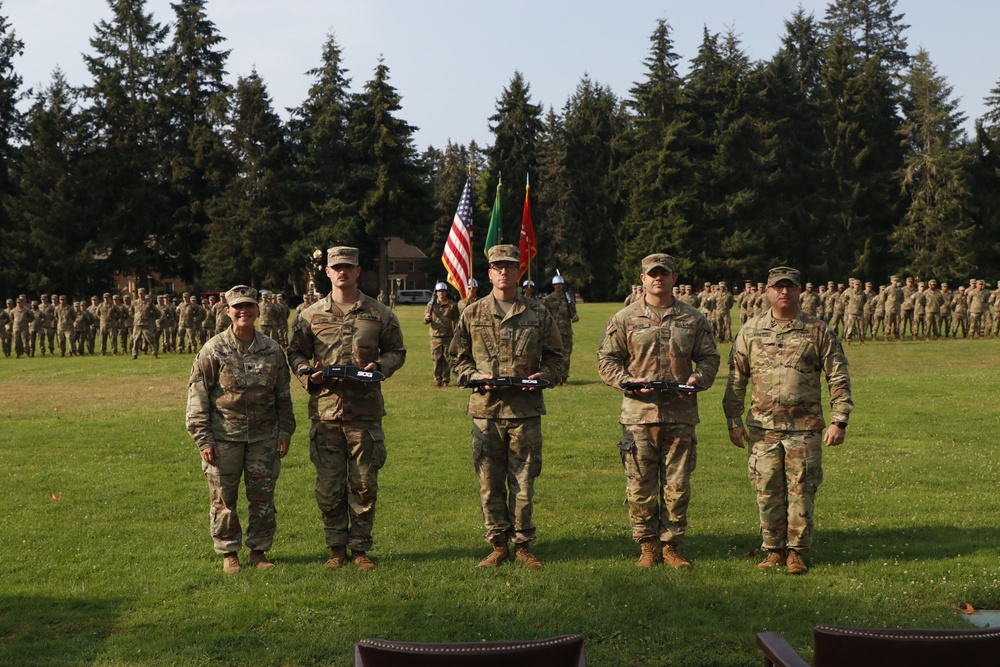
[
  {"x": 936, "y": 237},
  {"x": 874, "y": 31},
  {"x": 10, "y": 128},
  {"x": 252, "y": 212},
  {"x": 392, "y": 195},
  {"x": 985, "y": 180},
  {"x": 324, "y": 210},
  {"x": 191, "y": 108},
  {"x": 516, "y": 127},
  {"x": 655, "y": 180},
  {"x": 126, "y": 210}
]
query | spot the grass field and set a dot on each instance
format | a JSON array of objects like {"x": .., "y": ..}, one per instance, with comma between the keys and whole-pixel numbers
[{"x": 120, "y": 569}]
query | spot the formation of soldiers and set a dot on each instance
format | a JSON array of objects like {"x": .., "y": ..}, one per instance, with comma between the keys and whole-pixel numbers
[
  {"x": 909, "y": 307},
  {"x": 125, "y": 324}
]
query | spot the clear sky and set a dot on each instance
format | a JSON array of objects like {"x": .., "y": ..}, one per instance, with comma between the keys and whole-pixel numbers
[{"x": 450, "y": 60}]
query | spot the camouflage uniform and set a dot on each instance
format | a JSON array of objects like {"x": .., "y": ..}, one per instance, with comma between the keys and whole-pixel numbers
[
  {"x": 81, "y": 329},
  {"x": 107, "y": 314},
  {"x": 809, "y": 301},
  {"x": 442, "y": 316},
  {"x": 879, "y": 320},
  {"x": 723, "y": 313},
  {"x": 268, "y": 317},
  {"x": 933, "y": 302},
  {"x": 906, "y": 308},
  {"x": 36, "y": 330},
  {"x": 65, "y": 316},
  {"x": 854, "y": 312},
  {"x": 144, "y": 317},
  {"x": 782, "y": 361},
  {"x": 222, "y": 320},
  {"x": 239, "y": 401},
  {"x": 978, "y": 305},
  {"x": 188, "y": 324},
  {"x": 960, "y": 314},
  {"x": 20, "y": 321},
  {"x": 207, "y": 322},
  {"x": 658, "y": 445},
  {"x": 893, "y": 303},
  {"x": 346, "y": 442},
  {"x": 563, "y": 311},
  {"x": 49, "y": 308},
  {"x": 5, "y": 334},
  {"x": 506, "y": 423},
  {"x": 919, "y": 308},
  {"x": 283, "y": 311}
]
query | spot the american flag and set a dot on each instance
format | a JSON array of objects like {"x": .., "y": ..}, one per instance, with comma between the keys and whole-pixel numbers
[{"x": 457, "y": 257}]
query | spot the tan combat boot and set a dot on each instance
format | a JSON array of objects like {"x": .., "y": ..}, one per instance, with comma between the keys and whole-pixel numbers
[
  {"x": 674, "y": 559},
  {"x": 774, "y": 559},
  {"x": 231, "y": 563},
  {"x": 650, "y": 553},
  {"x": 523, "y": 555},
  {"x": 259, "y": 560},
  {"x": 497, "y": 557},
  {"x": 361, "y": 559},
  {"x": 337, "y": 558},
  {"x": 795, "y": 563}
]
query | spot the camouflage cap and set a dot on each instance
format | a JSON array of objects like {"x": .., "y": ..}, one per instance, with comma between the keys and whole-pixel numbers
[
  {"x": 186, "y": 294},
  {"x": 10, "y": 300},
  {"x": 868, "y": 284},
  {"x": 504, "y": 253},
  {"x": 831, "y": 284},
  {"x": 116, "y": 297},
  {"x": 34, "y": 303},
  {"x": 980, "y": 282},
  {"x": 894, "y": 278},
  {"x": 809, "y": 284},
  {"x": 932, "y": 282},
  {"x": 43, "y": 296},
  {"x": 779, "y": 273},
  {"x": 128, "y": 297},
  {"x": 107, "y": 295},
  {"x": 660, "y": 259},
  {"x": 242, "y": 294},
  {"x": 921, "y": 284},
  {"x": 341, "y": 255},
  {"x": 142, "y": 290}
]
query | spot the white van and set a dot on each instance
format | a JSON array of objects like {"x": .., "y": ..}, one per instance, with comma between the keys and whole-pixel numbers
[{"x": 421, "y": 296}]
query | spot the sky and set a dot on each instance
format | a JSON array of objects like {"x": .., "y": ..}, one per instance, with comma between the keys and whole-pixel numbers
[{"x": 451, "y": 60}]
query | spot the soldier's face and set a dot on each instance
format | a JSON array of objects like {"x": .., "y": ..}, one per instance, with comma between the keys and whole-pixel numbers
[
  {"x": 503, "y": 275},
  {"x": 659, "y": 281},
  {"x": 244, "y": 314},
  {"x": 344, "y": 276},
  {"x": 783, "y": 295},
  {"x": 559, "y": 288}
]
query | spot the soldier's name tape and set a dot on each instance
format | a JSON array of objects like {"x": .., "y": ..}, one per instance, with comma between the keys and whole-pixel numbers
[
  {"x": 508, "y": 381},
  {"x": 663, "y": 385},
  {"x": 349, "y": 372}
]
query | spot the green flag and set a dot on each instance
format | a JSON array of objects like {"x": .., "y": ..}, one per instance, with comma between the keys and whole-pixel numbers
[{"x": 494, "y": 236}]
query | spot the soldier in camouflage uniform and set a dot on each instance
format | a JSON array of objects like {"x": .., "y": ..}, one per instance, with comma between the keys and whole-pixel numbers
[
  {"x": 563, "y": 309},
  {"x": 854, "y": 312},
  {"x": 269, "y": 316},
  {"x": 932, "y": 310},
  {"x": 960, "y": 314},
  {"x": 106, "y": 315},
  {"x": 658, "y": 339},
  {"x": 222, "y": 321},
  {"x": 919, "y": 308},
  {"x": 208, "y": 321},
  {"x": 723, "y": 313},
  {"x": 47, "y": 306},
  {"x": 239, "y": 413},
  {"x": 5, "y": 334},
  {"x": 65, "y": 316},
  {"x": 869, "y": 309},
  {"x": 20, "y": 324},
  {"x": 978, "y": 305},
  {"x": 893, "y": 304},
  {"x": 828, "y": 301},
  {"x": 907, "y": 304},
  {"x": 188, "y": 324},
  {"x": 128, "y": 318},
  {"x": 809, "y": 301},
  {"x": 947, "y": 297},
  {"x": 36, "y": 330},
  {"x": 994, "y": 300},
  {"x": 144, "y": 317},
  {"x": 781, "y": 354},
  {"x": 441, "y": 314},
  {"x": 346, "y": 443},
  {"x": 81, "y": 328},
  {"x": 504, "y": 334},
  {"x": 283, "y": 311},
  {"x": 878, "y": 314}
]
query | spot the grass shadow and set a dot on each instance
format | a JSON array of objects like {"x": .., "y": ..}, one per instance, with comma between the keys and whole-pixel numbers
[{"x": 42, "y": 630}]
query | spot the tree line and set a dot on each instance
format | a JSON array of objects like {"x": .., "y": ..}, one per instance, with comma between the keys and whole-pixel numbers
[{"x": 842, "y": 154}]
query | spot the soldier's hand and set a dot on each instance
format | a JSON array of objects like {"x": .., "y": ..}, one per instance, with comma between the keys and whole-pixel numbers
[
  {"x": 834, "y": 435},
  {"x": 533, "y": 376},
  {"x": 317, "y": 377},
  {"x": 371, "y": 366},
  {"x": 485, "y": 388},
  {"x": 282, "y": 448},
  {"x": 738, "y": 436},
  {"x": 209, "y": 455},
  {"x": 692, "y": 380},
  {"x": 644, "y": 392}
]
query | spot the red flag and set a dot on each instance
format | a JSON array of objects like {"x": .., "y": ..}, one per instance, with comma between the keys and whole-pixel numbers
[
  {"x": 457, "y": 257},
  {"x": 527, "y": 244}
]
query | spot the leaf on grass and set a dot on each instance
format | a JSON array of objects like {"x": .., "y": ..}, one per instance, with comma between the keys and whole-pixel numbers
[
  {"x": 751, "y": 554},
  {"x": 55, "y": 496},
  {"x": 967, "y": 609},
  {"x": 55, "y": 409}
]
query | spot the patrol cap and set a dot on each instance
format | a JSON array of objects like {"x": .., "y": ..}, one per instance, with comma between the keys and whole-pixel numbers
[
  {"x": 980, "y": 282},
  {"x": 779, "y": 273},
  {"x": 116, "y": 297},
  {"x": 241, "y": 294},
  {"x": 921, "y": 284},
  {"x": 944, "y": 284},
  {"x": 34, "y": 303},
  {"x": 43, "y": 296},
  {"x": 831, "y": 284},
  {"x": 840, "y": 285},
  {"x": 660, "y": 259},
  {"x": 504, "y": 253},
  {"x": 440, "y": 287},
  {"x": 341, "y": 255},
  {"x": 142, "y": 290},
  {"x": 22, "y": 297},
  {"x": 473, "y": 282},
  {"x": 558, "y": 280},
  {"x": 528, "y": 283},
  {"x": 722, "y": 283},
  {"x": 868, "y": 284},
  {"x": 894, "y": 278},
  {"x": 128, "y": 297},
  {"x": 186, "y": 294},
  {"x": 809, "y": 284},
  {"x": 106, "y": 295},
  {"x": 9, "y": 300},
  {"x": 932, "y": 282}
]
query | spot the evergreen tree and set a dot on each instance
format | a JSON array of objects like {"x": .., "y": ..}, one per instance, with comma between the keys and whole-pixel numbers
[
  {"x": 386, "y": 179},
  {"x": 593, "y": 123},
  {"x": 191, "y": 108},
  {"x": 936, "y": 237},
  {"x": 985, "y": 180},
  {"x": 127, "y": 204},
  {"x": 51, "y": 246},
  {"x": 251, "y": 214},
  {"x": 324, "y": 211},
  {"x": 10, "y": 127},
  {"x": 655, "y": 180},
  {"x": 450, "y": 171},
  {"x": 874, "y": 31},
  {"x": 516, "y": 127}
]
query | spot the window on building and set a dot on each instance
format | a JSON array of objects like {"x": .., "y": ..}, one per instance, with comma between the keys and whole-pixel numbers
[{"x": 413, "y": 267}]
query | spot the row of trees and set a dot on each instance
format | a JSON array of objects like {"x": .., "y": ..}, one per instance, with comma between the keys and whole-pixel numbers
[{"x": 842, "y": 154}]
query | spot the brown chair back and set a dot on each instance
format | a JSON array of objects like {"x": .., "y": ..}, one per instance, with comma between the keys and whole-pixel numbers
[
  {"x": 563, "y": 651},
  {"x": 861, "y": 647}
]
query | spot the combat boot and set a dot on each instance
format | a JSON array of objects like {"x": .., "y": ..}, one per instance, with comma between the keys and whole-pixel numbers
[
  {"x": 674, "y": 559},
  {"x": 774, "y": 559},
  {"x": 231, "y": 563},
  {"x": 337, "y": 558},
  {"x": 259, "y": 560},
  {"x": 523, "y": 555},
  {"x": 497, "y": 557},
  {"x": 361, "y": 559},
  {"x": 795, "y": 563},
  {"x": 650, "y": 553}
]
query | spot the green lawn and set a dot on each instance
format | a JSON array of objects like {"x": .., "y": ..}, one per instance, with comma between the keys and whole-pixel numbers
[{"x": 120, "y": 570}]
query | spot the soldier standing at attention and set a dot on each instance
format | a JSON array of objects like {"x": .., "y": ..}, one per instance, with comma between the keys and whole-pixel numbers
[
  {"x": 145, "y": 314},
  {"x": 128, "y": 317},
  {"x": 187, "y": 316},
  {"x": 239, "y": 413},
  {"x": 869, "y": 309},
  {"x": 106, "y": 313},
  {"x": 441, "y": 314},
  {"x": 528, "y": 289},
  {"x": 947, "y": 296},
  {"x": 809, "y": 301},
  {"x": 49, "y": 308},
  {"x": 878, "y": 313},
  {"x": 919, "y": 308},
  {"x": 960, "y": 314},
  {"x": 208, "y": 321},
  {"x": 906, "y": 307},
  {"x": 473, "y": 295},
  {"x": 658, "y": 338},
  {"x": 222, "y": 321},
  {"x": 65, "y": 316},
  {"x": 268, "y": 316},
  {"x": 978, "y": 305},
  {"x": 563, "y": 310},
  {"x": 346, "y": 443},
  {"x": 283, "y": 311},
  {"x": 506, "y": 334},
  {"x": 20, "y": 324},
  {"x": 854, "y": 312},
  {"x": 81, "y": 326},
  {"x": 781, "y": 354},
  {"x": 36, "y": 330},
  {"x": 933, "y": 301},
  {"x": 5, "y": 334},
  {"x": 893, "y": 303}
]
